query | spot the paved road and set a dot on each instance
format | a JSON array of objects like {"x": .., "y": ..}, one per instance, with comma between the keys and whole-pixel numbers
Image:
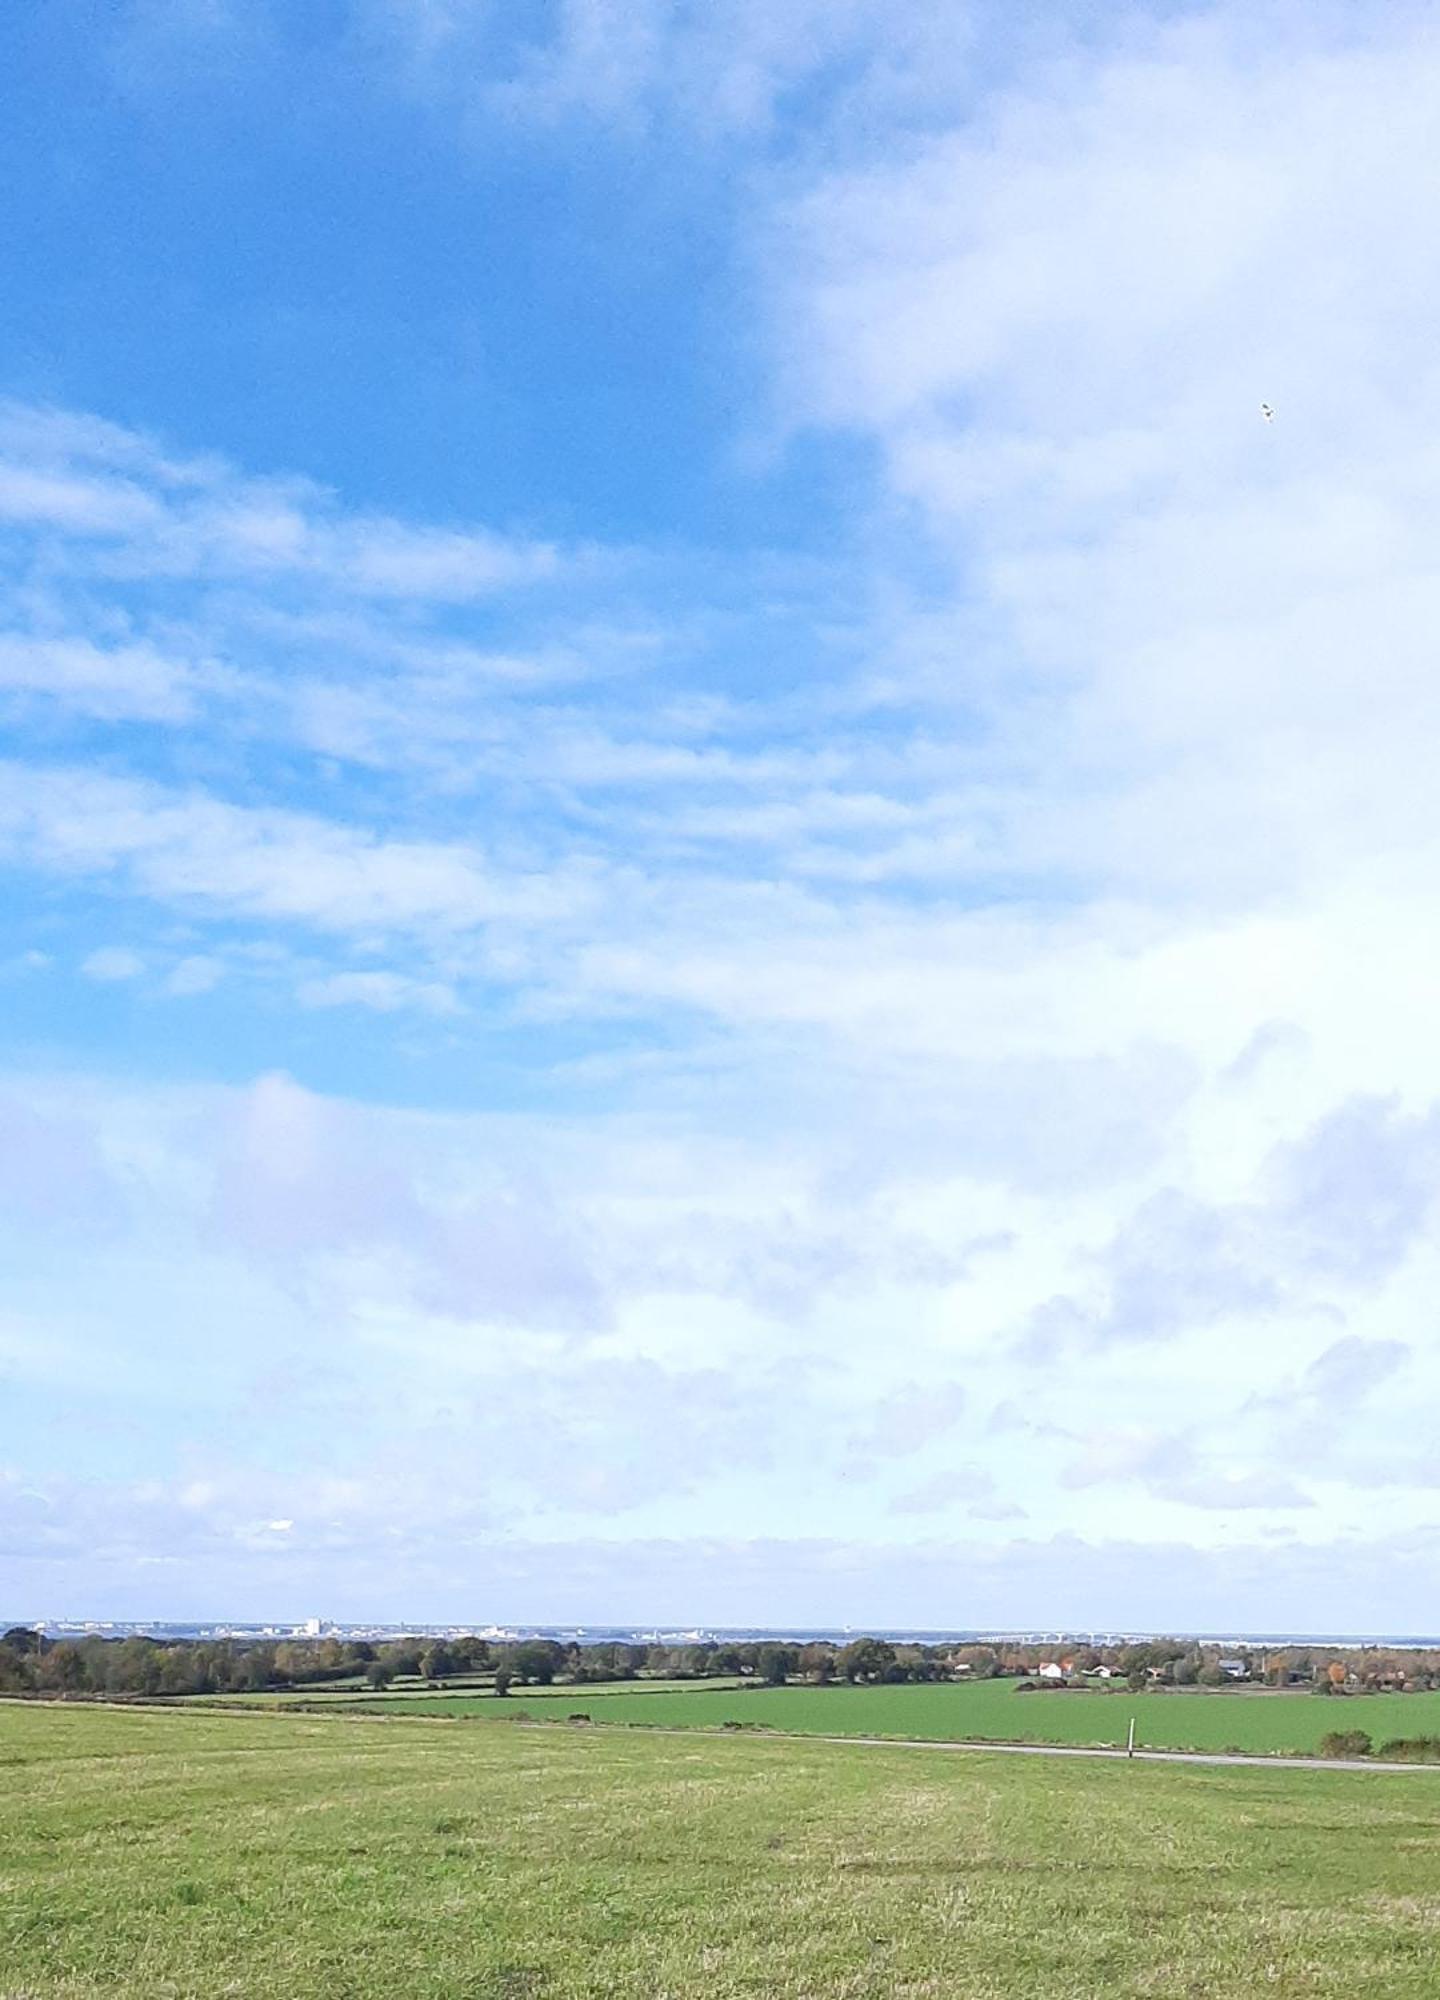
[{"x": 1139, "y": 1757}]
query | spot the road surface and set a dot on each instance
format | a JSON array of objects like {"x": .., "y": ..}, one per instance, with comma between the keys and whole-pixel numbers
[{"x": 1139, "y": 1756}]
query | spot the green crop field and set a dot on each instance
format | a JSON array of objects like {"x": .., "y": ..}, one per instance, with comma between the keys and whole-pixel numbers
[
  {"x": 997, "y": 1712},
  {"x": 189, "y": 1854}
]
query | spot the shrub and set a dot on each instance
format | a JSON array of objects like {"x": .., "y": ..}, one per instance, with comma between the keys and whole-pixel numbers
[
  {"x": 1412, "y": 1750},
  {"x": 1346, "y": 1743}
]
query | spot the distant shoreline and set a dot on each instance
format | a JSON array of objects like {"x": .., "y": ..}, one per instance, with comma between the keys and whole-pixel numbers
[{"x": 602, "y": 1635}]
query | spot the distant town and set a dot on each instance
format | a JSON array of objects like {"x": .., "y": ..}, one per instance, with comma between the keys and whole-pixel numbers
[{"x": 700, "y": 1635}]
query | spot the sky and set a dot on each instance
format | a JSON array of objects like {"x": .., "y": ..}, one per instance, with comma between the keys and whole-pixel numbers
[{"x": 717, "y": 880}]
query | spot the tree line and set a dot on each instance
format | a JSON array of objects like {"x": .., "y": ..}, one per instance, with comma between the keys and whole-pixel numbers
[{"x": 33, "y": 1664}]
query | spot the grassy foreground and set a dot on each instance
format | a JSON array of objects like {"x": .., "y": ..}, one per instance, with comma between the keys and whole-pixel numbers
[
  {"x": 279, "y": 1857},
  {"x": 994, "y": 1711}
]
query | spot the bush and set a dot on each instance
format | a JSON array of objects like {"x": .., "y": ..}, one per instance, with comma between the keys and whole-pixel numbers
[
  {"x": 1411, "y": 1750},
  {"x": 1346, "y": 1743}
]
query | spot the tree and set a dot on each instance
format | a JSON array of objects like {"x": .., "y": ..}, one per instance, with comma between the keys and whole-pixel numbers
[
  {"x": 1336, "y": 1675},
  {"x": 182, "y": 1672},
  {"x": 503, "y": 1678},
  {"x": 293, "y": 1661},
  {"x": 15, "y": 1670},
  {"x": 774, "y": 1664},
  {"x": 133, "y": 1667},
  {"x": 253, "y": 1667},
  {"x": 865, "y": 1660},
  {"x": 817, "y": 1662},
  {"x": 62, "y": 1668},
  {"x": 436, "y": 1661},
  {"x": 21, "y": 1639},
  {"x": 379, "y": 1674},
  {"x": 538, "y": 1660}
]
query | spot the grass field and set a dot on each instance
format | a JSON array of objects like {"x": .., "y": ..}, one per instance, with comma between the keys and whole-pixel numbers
[
  {"x": 344, "y": 1691},
  {"x": 188, "y": 1855},
  {"x": 993, "y": 1711}
]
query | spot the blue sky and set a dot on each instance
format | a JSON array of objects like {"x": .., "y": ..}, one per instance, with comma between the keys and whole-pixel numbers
[{"x": 717, "y": 879}]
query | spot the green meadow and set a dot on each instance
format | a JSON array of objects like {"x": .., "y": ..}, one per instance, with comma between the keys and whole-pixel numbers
[
  {"x": 189, "y": 1854},
  {"x": 988, "y": 1711},
  {"x": 463, "y": 1687}
]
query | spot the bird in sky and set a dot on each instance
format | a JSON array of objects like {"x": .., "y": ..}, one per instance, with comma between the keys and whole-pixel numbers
[{"x": 1267, "y": 413}]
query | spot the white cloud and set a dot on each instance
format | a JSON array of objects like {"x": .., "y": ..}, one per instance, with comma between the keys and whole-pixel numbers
[
  {"x": 955, "y": 1487},
  {"x": 1058, "y": 322},
  {"x": 117, "y": 684},
  {"x": 713, "y": 71},
  {"x": 146, "y": 514},
  {"x": 195, "y": 974},
  {"x": 291, "y": 866},
  {"x": 909, "y": 1418},
  {"x": 95, "y": 506},
  {"x": 112, "y": 964},
  {"x": 384, "y": 992},
  {"x": 627, "y": 1273},
  {"x": 253, "y": 532}
]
